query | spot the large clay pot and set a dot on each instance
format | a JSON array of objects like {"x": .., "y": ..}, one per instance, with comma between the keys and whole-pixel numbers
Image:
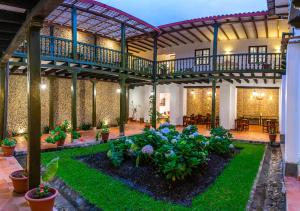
[
  {"x": 60, "y": 143},
  {"x": 45, "y": 204},
  {"x": 20, "y": 181},
  {"x": 8, "y": 151},
  {"x": 105, "y": 137},
  {"x": 272, "y": 137}
]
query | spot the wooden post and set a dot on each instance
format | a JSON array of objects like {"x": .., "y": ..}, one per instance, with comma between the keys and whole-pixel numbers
[
  {"x": 127, "y": 103},
  {"x": 214, "y": 67},
  {"x": 122, "y": 105},
  {"x": 123, "y": 46},
  {"x": 154, "y": 82},
  {"x": 4, "y": 71},
  {"x": 74, "y": 100},
  {"x": 74, "y": 32},
  {"x": 51, "y": 103},
  {"x": 94, "y": 104},
  {"x": 34, "y": 103}
]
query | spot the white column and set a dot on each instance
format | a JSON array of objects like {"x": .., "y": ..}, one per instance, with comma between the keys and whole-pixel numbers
[
  {"x": 292, "y": 136},
  {"x": 228, "y": 104},
  {"x": 282, "y": 105}
]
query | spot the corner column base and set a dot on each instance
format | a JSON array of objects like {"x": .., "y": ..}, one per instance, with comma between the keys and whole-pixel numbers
[{"x": 291, "y": 169}]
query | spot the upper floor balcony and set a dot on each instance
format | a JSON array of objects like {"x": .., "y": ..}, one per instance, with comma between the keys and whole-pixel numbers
[{"x": 59, "y": 49}]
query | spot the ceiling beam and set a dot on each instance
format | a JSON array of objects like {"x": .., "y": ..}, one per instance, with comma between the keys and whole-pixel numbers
[
  {"x": 141, "y": 46},
  {"x": 42, "y": 9},
  {"x": 163, "y": 42},
  {"x": 137, "y": 48},
  {"x": 204, "y": 35},
  {"x": 235, "y": 32},
  {"x": 222, "y": 30},
  {"x": 244, "y": 28},
  {"x": 170, "y": 40},
  {"x": 177, "y": 39},
  {"x": 195, "y": 36},
  {"x": 255, "y": 28},
  {"x": 266, "y": 27},
  {"x": 185, "y": 37}
]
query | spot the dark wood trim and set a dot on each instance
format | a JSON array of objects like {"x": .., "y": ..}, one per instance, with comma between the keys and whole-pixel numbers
[
  {"x": 199, "y": 87},
  {"x": 256, "y": 87}
]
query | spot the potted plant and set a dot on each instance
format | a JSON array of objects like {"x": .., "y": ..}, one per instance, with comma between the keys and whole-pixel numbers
[
  {"x": 272, "y": 135},
  {"x": 57, "y": 136},
  {"x": 105, "y": 133},
  {"x": 75, "y": 135},
  {"x": 8, "y": 146},
  {"x": 43, "y": 197},
  {"x": 147, "y": 126},
  {"x": 20, "y": 181}
]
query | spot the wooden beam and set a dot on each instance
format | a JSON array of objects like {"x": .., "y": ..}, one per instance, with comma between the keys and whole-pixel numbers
[
  {"x": 94, "y": 104},
  {"x": 204, "y": 35},
  {"x": 154, "y": 82},
  {"x": 42, "y": 9},
  {"x": 195, "y": 36},
  {"x": 222, "y": 30},
  {"x": 122, "y": 105},
  {"x": 178, "y": 39},
  {"x": 255, "y": 28},
  {"x": 213, "y": 104},
  {"x": 11, "y": 17},
  {"x": 170, "y": 40},
  {"x": 278, "y": 29},
  {"x": 266, "y": 27},
  {"x": 34, "y": 103},
  {"x": 52, "y": 100},
  {"x": 244, "y": 28},
  {"x": 235, "y": 32},
  {"x": 185, "y": 37},
  {"x": 74, "y": 100},
  {"x": 137, "y": 48},
  {"x": 165, "y": 43},
  {"x": 141, "y": 46}
]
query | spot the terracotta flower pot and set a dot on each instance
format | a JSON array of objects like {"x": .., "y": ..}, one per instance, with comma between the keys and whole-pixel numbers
[
  {"x": 60, "y": 143},
  {"x": 8, "y": 151},
  {"x": 105, "y": 137},
  {"x": 272, "y": 137},
  {"x": 44, "y": 204},
  {"x": 20, "y": 181}
]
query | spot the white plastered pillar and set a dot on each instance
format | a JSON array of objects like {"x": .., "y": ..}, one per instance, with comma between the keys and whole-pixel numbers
[
  {"x": 228, "y": 104},
  {"x": 292, "y": 102},
  {"x": 282, "y": 105}
]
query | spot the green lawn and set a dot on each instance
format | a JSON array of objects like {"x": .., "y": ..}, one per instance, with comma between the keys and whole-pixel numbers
[{"x": 229, "y": 192}]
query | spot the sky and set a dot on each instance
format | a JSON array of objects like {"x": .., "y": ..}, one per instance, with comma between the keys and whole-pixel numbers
[{"x": 159, "y": 12}]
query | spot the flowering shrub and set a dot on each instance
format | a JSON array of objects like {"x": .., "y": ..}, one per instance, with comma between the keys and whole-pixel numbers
[
  {"x": 220, "y": 141},
  {"x": 175, "y": 155},
  {"x": 56, "y": 135}
]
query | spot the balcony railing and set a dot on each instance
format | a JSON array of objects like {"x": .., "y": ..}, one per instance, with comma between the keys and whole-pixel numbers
[
  {"x": 232, "y": 62},
  {"x": 53, "y": 48}
]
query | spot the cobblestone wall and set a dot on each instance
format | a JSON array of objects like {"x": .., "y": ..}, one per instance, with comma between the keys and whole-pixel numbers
[{"x": 108, "y": 102}]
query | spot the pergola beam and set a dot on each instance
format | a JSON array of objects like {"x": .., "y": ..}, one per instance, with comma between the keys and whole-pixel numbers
[{"x": 235, "y": 32}]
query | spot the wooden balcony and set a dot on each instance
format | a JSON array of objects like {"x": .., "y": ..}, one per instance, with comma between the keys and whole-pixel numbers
[{"x": 106, "y": 60}]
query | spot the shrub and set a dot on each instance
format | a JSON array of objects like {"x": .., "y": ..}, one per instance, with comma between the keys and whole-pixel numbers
[
  {"x": 75, "y": 134},
  {"x": 220, "y": 141},
  {"x": 85, "y": 126},
  {"x": 9, "y": 142},
  {"x": 105, "y": 129},
  {"x": 56, "y": 135},
  {"x": 189, "y": 130},
  {"x": 65, "y": 126},
  {"x": 46, "y": 130}
]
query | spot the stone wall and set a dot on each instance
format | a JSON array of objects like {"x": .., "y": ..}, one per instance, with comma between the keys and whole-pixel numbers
[
  {"x": 199, "y": 101},
  {"x": 248, "y": 105},
  {"x": 66, "y": 33},
  {"x": 108, "y": 102}
]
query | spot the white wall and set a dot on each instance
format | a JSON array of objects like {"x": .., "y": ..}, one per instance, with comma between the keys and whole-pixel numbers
[
  {"x": 292, "y": 102},
  {"x": 224, "y": 46}
]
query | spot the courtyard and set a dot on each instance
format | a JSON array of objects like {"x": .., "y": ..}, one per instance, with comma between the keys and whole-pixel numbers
[{"x": 103, "y": 107}]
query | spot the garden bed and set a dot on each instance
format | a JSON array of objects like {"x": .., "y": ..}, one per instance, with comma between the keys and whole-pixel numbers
[{"x": 146, "y": 179}]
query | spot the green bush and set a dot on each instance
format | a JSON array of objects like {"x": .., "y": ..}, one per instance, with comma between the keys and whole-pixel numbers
[
  {"x": 75, "y": 134},
  {"x": 65, "y": 126},
  {"x": 85, "y": 126},
  {"x": 220, "y": 142},
  {"x": 9, "y": 142},
  {"x": 56, "y": 135}
]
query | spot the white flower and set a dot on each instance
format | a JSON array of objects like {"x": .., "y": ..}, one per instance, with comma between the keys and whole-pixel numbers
[
  {"x": 231, "y": 146},
  {"x": 128, "y": 141},
  {"x": 191, "y": 136},
  {"x": 173, "y": 141}
]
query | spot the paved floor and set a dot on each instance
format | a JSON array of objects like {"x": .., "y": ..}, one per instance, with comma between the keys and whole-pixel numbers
[
  {"x": 254, "y": 134},
  {"x": 292, "y": 186},
  {"x": 10, "y": 201}
]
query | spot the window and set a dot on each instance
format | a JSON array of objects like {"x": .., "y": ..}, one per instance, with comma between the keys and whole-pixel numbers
[
  {"x": 260, "y": 58},
  {"x": 202, "y": 56}
]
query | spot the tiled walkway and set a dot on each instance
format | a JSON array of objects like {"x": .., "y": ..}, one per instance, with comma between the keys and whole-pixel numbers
[
  {"x": 293, "y": 193},
  {"x": 10, "y": 201},
  {"x": 254, "y": 134}
]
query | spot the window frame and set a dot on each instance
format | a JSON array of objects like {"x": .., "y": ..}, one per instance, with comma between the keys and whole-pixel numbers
[
  {"x": 203, "y": 61},
  {"x": 257, "y": 58}
]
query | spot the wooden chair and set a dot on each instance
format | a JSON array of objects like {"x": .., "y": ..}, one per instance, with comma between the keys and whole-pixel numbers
[
  {"x": 265, "y": 125},
  {"x": 245, "y": 124}
]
